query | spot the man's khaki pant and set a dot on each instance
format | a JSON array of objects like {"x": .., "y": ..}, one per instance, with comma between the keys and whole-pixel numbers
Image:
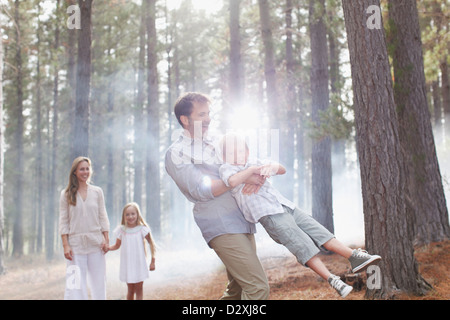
[{"x": 247, "y": 279}]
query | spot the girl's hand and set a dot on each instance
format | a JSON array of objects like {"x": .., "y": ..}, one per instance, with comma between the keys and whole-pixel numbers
[
  {"x": 152, "y": 266},
  {"x": 105, "y": 247},
  {"x": 68, "y": 253}
]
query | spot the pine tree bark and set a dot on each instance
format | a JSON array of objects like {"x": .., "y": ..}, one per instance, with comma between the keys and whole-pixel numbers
[
  {"x": 153, "y": 184},
  {"x": 437, "y": 105},
  {"x": 423, "y": 177},
  {"x": 18, "y": 140},
  {"x": 72, "y": 82},
  {"x": 269, "y": 63},
  {"x": 445, "y": 86},
  {"x": 51, "y": 214},
  {"x": 83, "y": 86},
  {"x": 2, "y": 161},
  {"x": 236, "y": 68},
  {"x": 39, "y": 178},
  {"x": 288, "y": 130},
  {"x": 380, "y": 156},
  {"x": 322, "y": 197},
  {"x": 139, "y": 112}
]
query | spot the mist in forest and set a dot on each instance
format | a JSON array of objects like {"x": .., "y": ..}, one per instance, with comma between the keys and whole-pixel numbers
[{"x": 120, "y": 115}]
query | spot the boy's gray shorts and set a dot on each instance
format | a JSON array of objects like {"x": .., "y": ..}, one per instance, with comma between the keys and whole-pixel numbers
[{"x": 300, "y": 233}]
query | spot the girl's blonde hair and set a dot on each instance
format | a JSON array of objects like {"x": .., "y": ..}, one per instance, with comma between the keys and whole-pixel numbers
[
  {"x": 72, "y": 187},
  {"x": 140, "y": 221}
]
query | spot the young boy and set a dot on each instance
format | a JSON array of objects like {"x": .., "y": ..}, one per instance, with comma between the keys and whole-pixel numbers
[{"x": 286, "y": 224}]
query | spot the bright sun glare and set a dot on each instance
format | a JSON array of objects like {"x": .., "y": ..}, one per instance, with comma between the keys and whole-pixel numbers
[
  {"x": 210, "y": 6},
  {"x": 244, "y": 118}
]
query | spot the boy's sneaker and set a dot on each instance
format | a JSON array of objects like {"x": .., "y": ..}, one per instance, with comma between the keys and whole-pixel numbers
[
  {"x": 360, "y": 260},
  {"x": 340, "y": 286}
]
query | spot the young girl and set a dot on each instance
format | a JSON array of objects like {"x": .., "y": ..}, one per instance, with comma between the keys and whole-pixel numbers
[{"x": 131, "y": 234}]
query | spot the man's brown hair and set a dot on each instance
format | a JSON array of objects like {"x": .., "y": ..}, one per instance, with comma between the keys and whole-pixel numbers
[{"x": 185, "y": 103}]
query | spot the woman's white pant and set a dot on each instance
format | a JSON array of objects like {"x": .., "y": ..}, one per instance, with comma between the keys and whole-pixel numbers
[{"x": 86, "y": 270}]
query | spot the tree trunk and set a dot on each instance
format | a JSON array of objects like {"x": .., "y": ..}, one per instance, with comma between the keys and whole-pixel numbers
[
  {"x": 153, "y": 205},
  {"x": 139, "y": 112},
  {"x": 437, "y": 105},
  {"x": 445, "y": 86},
  {"x": 322, "y": 198},
  {"x": 338, "y": 143},
  {"x": 302, "y": 152},
  {"x": 423, "y": 177},
  {"x": 287, "y": 153},
  {"x": 236, "y": 68},
  {"x": 18, "y": 140},
  {"x": 110, "y": 132},
  {"x": 71, "y": 50},
  {"x": 39, "y": 179},
  {"x": 269, "y": 64},
  {"x": 110, "y": 151},
  {"x": 50, "y": 216},
  {"x": 2, "y": 161},
  {"x": 440, "y": 19},
  {"x": 81, "y": 134},
  {"x": 72, "y": 82},
  {"x": 380, "y": 155}
]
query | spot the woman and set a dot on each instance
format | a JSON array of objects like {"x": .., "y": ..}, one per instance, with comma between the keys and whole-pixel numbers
[{"x": 84, "y": 227}]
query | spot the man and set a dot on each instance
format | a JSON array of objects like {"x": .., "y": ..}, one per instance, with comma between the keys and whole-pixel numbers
[{"x": 194, "y": 166}]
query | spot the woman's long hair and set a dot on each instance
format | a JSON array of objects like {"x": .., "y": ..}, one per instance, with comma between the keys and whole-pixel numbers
[
  {"x": 140, "y": 221},
  {"x": 72, "y": 186}
]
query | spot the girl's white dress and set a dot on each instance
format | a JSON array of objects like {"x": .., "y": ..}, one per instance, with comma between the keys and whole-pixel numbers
[{"x": 133, "y": 264}]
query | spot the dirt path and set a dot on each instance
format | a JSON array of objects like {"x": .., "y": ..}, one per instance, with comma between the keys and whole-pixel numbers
[{"x": 203, "y": 277}]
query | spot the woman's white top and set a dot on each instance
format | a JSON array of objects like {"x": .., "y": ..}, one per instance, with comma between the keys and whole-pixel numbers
[
  {"x": 133, "y": 264},
  {"x": 85, "y": 222}
]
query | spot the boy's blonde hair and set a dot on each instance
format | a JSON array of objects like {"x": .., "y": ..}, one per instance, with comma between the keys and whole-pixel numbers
[
  {"x": 233, "y": 141},
  {"x": 140, "y": 221}
]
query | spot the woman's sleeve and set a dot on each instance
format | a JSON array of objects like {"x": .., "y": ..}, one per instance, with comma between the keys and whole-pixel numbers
[
  {"x": 103, "y": 216},
  {"x": 63, "y": 214}
]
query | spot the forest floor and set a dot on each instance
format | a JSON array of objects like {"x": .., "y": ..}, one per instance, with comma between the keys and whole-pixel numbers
[{"x": 31, "y": 278}]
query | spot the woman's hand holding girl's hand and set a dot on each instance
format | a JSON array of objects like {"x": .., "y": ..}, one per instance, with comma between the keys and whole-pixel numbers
[{"x": 105, "y": 247}]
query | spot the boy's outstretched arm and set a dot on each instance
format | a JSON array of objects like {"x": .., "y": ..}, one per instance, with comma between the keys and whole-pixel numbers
[
  {"x": 243, "y": 176},
  {"x": 272, "y": 169}
]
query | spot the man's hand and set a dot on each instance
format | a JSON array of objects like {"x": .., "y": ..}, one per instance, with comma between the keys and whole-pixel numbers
[{"x": 253, "y": 184}]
